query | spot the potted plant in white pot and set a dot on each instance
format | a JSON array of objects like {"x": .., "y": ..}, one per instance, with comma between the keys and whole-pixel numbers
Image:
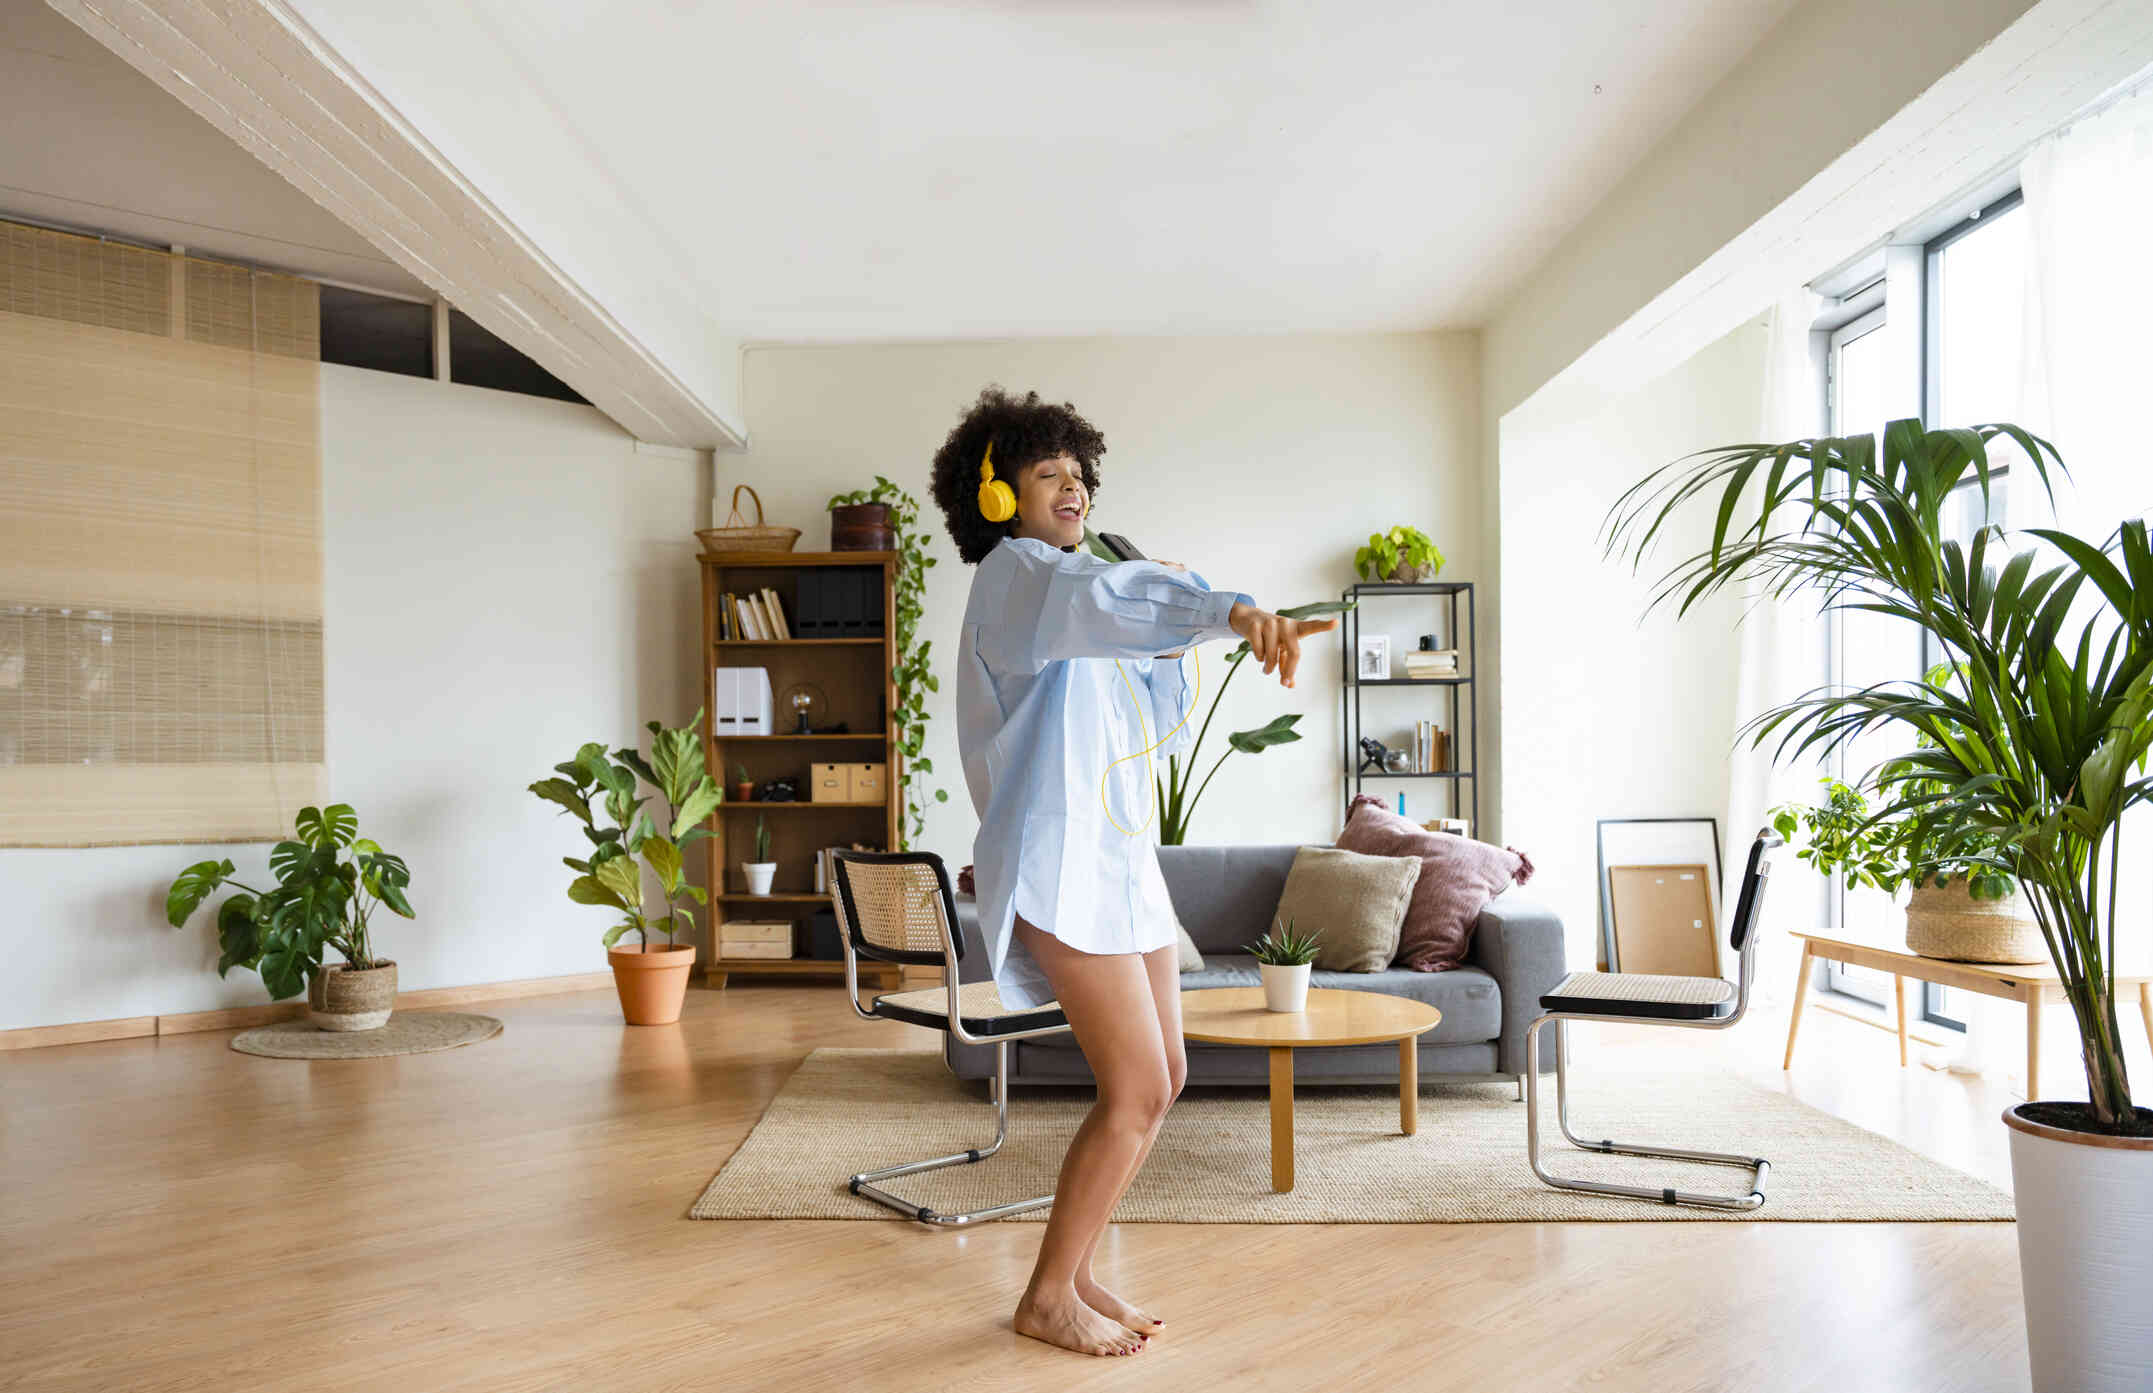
[
  {"x": 760, "y": 870},
  {"x": 651, "y": 980},
  {"x": 1285, "y": 962},
  {"x": 1963, "y": 912},
  {"x": 320, "y": 901},
  {"x": 2022, "y": 756}
]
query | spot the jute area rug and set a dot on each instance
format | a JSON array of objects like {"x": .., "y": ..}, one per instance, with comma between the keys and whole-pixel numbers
[
  {"x": 849, "y": 1110},
  {"x": 406, "y": 1032}
]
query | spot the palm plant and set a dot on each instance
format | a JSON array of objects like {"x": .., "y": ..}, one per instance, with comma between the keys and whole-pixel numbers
[{"x": 2021, "y": 752}]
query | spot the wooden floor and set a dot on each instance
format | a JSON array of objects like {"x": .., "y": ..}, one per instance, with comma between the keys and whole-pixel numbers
[{"x": 175, "y": 1215}]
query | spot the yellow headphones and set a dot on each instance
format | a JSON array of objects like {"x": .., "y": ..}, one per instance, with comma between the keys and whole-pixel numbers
[{"x": 997, "y": 502}]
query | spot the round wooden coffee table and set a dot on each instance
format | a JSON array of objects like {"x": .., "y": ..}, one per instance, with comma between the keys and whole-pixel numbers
[{"x": 1333, "y": 1016}]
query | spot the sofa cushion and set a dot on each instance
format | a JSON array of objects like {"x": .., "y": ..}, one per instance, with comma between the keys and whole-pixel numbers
[
  {"x": 1192, "y": 960},
  {"x": 1352, "y": 903},
  {"x": 1458, "y": 875}
]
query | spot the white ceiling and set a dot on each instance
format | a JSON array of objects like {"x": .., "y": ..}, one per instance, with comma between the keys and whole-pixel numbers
[
  {"x": 94, "y": 145},
  {"x": 1010, "y": 168},
  {"x": 986, "y": 168}
]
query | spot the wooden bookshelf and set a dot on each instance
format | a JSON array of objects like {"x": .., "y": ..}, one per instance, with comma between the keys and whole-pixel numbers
[{"x": 857, "y": 675}]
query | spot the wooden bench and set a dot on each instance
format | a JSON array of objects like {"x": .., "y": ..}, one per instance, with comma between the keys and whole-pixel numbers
[{"x": 2035, "y": 984}]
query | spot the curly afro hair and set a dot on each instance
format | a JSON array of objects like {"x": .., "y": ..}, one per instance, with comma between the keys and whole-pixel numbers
[{"x": 1023, "y": 433}]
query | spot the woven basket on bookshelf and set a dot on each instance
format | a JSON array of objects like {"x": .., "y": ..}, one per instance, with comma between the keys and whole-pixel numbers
[{"x": 738, "y": 536}]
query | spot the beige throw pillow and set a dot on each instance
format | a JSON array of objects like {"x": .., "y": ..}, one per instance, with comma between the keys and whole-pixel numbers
[
  {"x": 1192, "y": 958},
  {"x": 1354, "y": 903}
]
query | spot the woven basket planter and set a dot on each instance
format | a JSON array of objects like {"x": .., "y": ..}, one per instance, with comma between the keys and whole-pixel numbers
[
  {"x": 1947, "y": 922},
  {"x": 342, "y": 997}
]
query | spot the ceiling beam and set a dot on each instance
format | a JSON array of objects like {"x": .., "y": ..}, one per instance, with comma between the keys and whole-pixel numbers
[{"x": 256, "y": 71}]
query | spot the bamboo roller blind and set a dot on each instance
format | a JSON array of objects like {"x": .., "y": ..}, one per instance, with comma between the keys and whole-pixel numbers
[{"x": 160, "y": 546}]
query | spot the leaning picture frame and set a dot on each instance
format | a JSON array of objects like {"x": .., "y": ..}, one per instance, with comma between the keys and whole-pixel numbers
[
  {"x": 1371, "y": 659},
  {"x": 1652, "y": 841}
]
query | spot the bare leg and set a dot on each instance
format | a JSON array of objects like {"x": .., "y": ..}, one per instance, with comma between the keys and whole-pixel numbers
[
  {"x": 1164, "y": 969},
  {"x": 1107, "y": 998}
]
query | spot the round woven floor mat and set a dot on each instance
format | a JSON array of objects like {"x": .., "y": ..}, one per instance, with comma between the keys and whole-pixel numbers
[{"x": 408, "y": 1032}]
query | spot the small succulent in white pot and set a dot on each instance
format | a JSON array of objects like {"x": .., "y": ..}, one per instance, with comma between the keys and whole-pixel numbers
[
  {"x": 760, "y": 870},
  {"x": 1285, "y": 962}
]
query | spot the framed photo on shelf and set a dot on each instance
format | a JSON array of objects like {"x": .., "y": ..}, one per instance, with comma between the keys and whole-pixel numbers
[{"x": 1372, "y": 657}]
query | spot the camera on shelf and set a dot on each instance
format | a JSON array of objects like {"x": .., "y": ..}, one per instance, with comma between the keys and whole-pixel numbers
[{"x": 783, "y": 789}]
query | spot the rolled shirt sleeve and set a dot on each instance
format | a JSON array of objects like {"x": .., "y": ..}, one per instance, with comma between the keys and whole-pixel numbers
[{"x": 1076, "y": 605}]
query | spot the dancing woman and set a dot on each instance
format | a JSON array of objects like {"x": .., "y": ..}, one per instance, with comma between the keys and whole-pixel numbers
[{"x": 1067, "y": 665}]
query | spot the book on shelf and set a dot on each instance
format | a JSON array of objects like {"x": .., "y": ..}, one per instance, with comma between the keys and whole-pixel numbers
[{"x": 776, "y": 608}]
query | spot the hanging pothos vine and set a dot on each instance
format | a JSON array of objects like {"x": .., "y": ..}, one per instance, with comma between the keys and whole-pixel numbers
[{"x": 914, "y": 672}]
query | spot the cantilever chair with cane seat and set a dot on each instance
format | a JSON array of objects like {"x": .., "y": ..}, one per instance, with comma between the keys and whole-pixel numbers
[
  {"x": 1637, "y": 998},
  {"x": 896, "y": 906}
]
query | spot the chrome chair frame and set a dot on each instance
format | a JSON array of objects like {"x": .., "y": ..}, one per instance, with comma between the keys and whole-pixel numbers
[
  {"x": 863, "y": 1182},
  {"x": 1743, "y": 939}
]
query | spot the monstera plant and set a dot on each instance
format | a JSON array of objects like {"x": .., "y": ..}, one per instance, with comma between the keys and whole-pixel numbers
[{"x": 323, "y": 899}]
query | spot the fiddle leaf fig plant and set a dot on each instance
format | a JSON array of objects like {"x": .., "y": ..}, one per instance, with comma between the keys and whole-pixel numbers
[
  {"x": 914, "y": 673},
  {"x": 1386, "y": 551},
  {"x": 609, "y": 876},
  {"x": 321, "y": 900}
]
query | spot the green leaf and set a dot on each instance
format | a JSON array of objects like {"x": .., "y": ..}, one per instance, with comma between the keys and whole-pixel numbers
[
  {"x": 1278, "y": 731},
  {"x": 664, "y": 858},
  {"x": 619, "y": 875},
  {"x": 335, "y": 825},
  {"x": 566, "y": 794},
  {"x": 588, "y": 889},
  {"x": 238, "y": 934},
  {"x": 702, "y": 799},
  {"x": 193, "y": 885}
]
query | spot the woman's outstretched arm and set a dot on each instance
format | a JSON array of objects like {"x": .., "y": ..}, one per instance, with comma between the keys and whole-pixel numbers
[{"x": 1058, "y": 604}]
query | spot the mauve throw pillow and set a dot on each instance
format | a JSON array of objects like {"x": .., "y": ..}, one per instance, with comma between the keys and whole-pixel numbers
[{"x": 1458, "y": 875}]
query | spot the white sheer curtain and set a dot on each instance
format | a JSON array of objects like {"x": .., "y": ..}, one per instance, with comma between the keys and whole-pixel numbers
[
  {"x": 2089, "y": 302},
  {"x": 1783, "y": 653}
]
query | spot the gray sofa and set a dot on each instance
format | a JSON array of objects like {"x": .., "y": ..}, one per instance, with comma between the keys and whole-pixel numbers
[{"x": 1224, "y": 896}]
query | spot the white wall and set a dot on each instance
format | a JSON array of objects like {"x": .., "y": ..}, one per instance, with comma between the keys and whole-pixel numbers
[
  {"x": 1608, "y": 713},
  {"x": 506, "y": 577},
  {"x": 1260, "y": 462}
]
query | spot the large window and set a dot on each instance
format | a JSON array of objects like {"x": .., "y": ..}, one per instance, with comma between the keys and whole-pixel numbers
[{"x": 1971, "y": 306}]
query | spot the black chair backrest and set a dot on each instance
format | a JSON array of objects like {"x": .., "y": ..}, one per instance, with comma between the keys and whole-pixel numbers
[
  {"x": 887, "y": 904},
  {"x": 1750, "y": 903}
]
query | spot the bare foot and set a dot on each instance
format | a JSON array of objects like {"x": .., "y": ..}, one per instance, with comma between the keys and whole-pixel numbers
[
  {"x": 1115, "y": 1309},
  {"x": 1074, "y": 1325}
]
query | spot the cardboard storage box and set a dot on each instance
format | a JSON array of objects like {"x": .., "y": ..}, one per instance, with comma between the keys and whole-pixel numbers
[
  {"x": 867, "y": 782},
  {"x": 748, "y": 938},
  {"x": 829, "y": 783}
]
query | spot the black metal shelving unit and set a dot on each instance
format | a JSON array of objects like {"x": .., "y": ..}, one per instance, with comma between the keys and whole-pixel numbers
[{"x": 1462, "y": 781}]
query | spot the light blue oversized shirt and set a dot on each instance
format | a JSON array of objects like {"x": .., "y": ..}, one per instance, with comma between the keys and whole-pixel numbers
[{"x": 1043, "y": 714}]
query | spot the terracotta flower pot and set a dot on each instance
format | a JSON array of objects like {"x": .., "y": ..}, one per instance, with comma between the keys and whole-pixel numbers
[
  {"x": 651, "y": 981},
  {"x": 342, "y": 997},
  {"x": 744, "y": 791}
]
